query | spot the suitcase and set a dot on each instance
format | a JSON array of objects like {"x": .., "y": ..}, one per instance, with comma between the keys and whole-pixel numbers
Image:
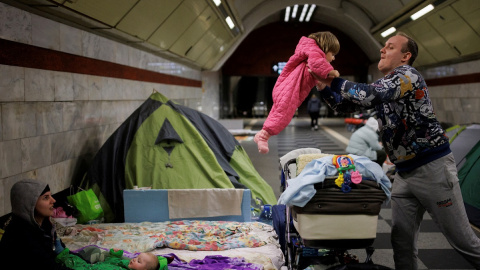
[{"x": 334, "y": 218}]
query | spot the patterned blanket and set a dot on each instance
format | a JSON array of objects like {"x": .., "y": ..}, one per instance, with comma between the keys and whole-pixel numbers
[{"x": 191, "y": 235}]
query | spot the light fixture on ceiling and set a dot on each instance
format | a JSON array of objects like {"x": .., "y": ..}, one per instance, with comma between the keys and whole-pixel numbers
[
  {"x": 294, "y": 13},
  {"x": 422, "y": 12},
  {"x": 310, "y": 12},
  {"x": 226, "y": 13},
  {"x": 401, "y": 21},
  {"x": 389, "y": 31},
  {"x": 304, "y": 12},
  {"x": 287, "y": 14},
  {"x": 230, "y": 22},
  {"x": 305, "y": 15}
]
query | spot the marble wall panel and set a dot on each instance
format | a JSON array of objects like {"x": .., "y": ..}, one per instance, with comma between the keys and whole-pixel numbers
[
  {"x": 55, "y": 175},
  {"x": 70, "y": 40},
  {"x": 49, "y": 117},
  {"x": 88, "y": 140},
  {"x": 98, "y": 47},
  {"x": 91, "y": 114},
  {"x": 95, "y": 86},
  {"x": 18, "y": 121},
  {"x": 1, "y": 132},
  {"x": 3, "y": 191},
  {"x": 45, "y": 33},
  {"x": 70, "y": 114},
  {"x": 36, "y": 152},
  {"x": 10, "y": 158},
  {"x": 15, "y": 24},
  {"x": 63, "y": 86},
  {"x": 63, "y": 147},
  {"x": 121, "y": 55},
  {"x": 12, "y": 83},
  {"x": 39, "y": 85},
  {"x": 80, "y": 86},
  {"x": 113, "y": 89}
]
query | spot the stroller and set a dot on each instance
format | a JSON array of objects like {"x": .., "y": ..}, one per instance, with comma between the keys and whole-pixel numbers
[{"x": 320, "y": 233}]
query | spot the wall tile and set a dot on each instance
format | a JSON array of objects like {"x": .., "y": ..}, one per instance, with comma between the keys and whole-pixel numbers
[
  {"x": 15, "y": 24},
  {"x": 10, "y": 158},
  {"x": 2, "y": 189},
  {"x": 36, "y": 152},
  {"x": 18, "y": 121},
  {"x": 70, "y": 40},
  {"x": 55, "y": 174},
  {"x": 49, "y": 117},
  {"x": 39, "y": 85},
  {"x": 12, "y": 83},
  {"x": 63, "y": 86},
  {"x": 121, "y": 55},
  {"x": 45, "y": 33},
  {"x": 63, "y": 147},
  {"x": 95, "y": 87},
  {"x": 80, "y": 86}
]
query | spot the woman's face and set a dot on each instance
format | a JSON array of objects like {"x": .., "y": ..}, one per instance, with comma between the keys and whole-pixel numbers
[{"x": 44, "y": 206}]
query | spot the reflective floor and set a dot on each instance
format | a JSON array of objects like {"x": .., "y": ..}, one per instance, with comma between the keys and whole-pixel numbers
[{"x": 332, "y": 137}]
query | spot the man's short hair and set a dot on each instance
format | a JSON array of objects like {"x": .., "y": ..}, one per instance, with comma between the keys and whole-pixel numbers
[{"x": 411, "y": 47}]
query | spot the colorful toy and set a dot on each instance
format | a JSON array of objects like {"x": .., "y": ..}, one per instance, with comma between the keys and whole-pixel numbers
[{"x": 346, "y": 172}]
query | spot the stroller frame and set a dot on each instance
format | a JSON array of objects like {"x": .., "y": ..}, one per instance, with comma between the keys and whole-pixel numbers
[{"x": 301, "y": 253}]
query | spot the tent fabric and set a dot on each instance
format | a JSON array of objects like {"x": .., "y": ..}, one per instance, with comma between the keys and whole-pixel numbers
[
  {"x": 469, "y": 177},
  {"x": 464, "y": 142},
  {"x": 164, "y": 145},
  {"x": 452, "y": 132}
]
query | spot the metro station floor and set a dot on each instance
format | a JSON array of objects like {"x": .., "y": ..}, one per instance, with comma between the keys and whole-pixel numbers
[{"x": 332, "y": 137}]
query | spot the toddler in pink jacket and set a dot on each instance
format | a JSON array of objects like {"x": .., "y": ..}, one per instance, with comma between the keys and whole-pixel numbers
[{"x": 314, "y": 52}]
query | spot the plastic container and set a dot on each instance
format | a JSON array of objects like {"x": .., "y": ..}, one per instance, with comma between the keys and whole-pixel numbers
[
  {"x": 254, "y": 215},
  {"x": 266, "y": 215}
]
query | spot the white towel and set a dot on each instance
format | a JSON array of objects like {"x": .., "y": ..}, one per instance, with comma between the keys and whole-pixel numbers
[{"x": 194, "y": 203}]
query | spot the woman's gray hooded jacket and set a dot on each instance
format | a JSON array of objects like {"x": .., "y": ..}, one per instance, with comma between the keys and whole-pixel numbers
[{"x": 25, "y": 243}]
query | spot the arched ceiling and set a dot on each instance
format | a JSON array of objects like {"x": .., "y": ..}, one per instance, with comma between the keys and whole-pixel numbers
[{"x": 194, "y": 32}]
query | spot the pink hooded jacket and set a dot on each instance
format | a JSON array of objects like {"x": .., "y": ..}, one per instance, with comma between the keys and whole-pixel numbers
[{"x": 294, "y": 83}]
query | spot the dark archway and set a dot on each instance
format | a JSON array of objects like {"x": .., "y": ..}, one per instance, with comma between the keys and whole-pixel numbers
[{"x": 276, "y": 42}]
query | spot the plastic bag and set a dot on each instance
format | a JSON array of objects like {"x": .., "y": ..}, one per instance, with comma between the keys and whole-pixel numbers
[{"x": 87, "y": 204}]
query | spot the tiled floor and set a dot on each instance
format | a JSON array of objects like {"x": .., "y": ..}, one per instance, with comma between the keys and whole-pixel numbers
[{"x": 434, "y": 250}]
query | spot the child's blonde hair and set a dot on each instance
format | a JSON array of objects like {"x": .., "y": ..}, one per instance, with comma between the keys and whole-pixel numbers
[{"x": 327, "y": 41}]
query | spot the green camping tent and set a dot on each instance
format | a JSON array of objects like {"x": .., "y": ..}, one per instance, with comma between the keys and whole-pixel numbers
[{"x": 164, "y": 145}]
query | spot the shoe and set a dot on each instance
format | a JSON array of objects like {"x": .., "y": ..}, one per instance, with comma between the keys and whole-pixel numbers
[
  {"x": 313, "y": 128},
  {"x": 316, "y": 127}
]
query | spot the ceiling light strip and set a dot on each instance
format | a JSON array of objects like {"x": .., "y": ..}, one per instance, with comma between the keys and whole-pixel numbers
[
  {"x": 389, "y": 31},
  {"x": 304, "y": 12},
  {"x": 310, "y": 12},
  {"x": 422, "y": 12},
  {"x": 287, "y": 14},
  {"x": 294, "y": 13}
]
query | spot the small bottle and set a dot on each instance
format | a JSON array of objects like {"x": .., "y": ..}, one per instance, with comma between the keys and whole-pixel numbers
[
  {"x": 266, "y": 215},
  {"x": 253, "y": 214}
]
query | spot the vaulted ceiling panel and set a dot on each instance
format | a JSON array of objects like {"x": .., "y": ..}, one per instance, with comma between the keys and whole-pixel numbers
[
  {"x": 424, "y": 57},
  {"x": 146, "y": 17},
  {"x": 428, "y": 36},
  {"x": 221, "y": 34},
  {"x": 107, "y": 11},
  {"x": 455, "y": 31},
  {"x": 473, "y": 19},
  {"x": 177, "y": 23},
  {"x": 194, "y": 33},
  {"x": 200, "y": 47}
]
